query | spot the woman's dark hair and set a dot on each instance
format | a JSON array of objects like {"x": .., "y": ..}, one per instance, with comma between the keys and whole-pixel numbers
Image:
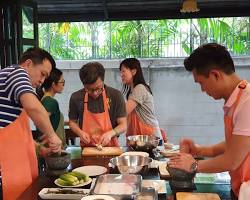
[
  {"x": 37, "y": 55},
  {"x": 210, "y": 56},
  {"x": 133, "y": 63},
  {"x": 90, "y": 72},
  {"x": 54, "y": 77}
]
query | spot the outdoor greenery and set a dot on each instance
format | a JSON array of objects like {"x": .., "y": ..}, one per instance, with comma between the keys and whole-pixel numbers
[{"x": 143, "y": 39}]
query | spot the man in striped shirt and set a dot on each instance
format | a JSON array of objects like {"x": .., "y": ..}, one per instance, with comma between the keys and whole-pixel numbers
[{"x": 18, "y": 101}]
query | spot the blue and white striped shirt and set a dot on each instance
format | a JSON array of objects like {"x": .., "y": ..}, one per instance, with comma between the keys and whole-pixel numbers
[{"x": 14, "y": 81}]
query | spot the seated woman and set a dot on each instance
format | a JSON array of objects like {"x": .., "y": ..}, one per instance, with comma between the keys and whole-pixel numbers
[
  {"x": 140, "y": 103},
  {"x": 52, "y": 85}
]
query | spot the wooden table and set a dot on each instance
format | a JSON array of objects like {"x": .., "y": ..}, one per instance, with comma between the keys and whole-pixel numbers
[{"x": 43, "y": 181}]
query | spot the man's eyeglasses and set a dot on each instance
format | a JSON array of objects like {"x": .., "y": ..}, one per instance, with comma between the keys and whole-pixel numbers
[
  {"x": 63, "y": 82},
  {"x": 96, "y": 90}
]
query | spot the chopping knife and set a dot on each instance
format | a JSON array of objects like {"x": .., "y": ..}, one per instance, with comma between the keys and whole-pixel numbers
[{"x": 99, "y": 147}]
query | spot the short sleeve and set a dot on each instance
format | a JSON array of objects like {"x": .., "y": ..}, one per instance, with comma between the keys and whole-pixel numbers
[
  {"x": 19, "y": 83},
  {"x": 50, "y": 104},
  {"x": 73, "y": 111},
  {"x": 120, "y": 105},
  {"x": 242, "y": 120},
  {"x": 139, "y": 94}
]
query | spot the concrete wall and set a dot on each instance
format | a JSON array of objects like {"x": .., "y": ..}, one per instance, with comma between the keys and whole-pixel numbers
[{"x": 182, "y": 109}]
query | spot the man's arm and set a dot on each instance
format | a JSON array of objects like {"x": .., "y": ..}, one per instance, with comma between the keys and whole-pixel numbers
[
  {"x": 130, "y": 105},
  {"x": 211, "y": 150},
  {"x": 73, "y": 125},
  {"x": 188, "y": 146},
  {"x": 74, "y": 115},
  {"x": 120, "y": 128},
  {"x": 235, "y": 152},
  {"x": 121, "y": 125},
  {"x": 40, "y": 117},
  {"x": 76, "y": 129}
]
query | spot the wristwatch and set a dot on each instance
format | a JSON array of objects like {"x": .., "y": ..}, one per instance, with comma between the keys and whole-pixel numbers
[{"x": 194, "y": 167}]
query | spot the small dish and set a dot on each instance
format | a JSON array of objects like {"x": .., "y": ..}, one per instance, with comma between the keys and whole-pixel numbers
[
  {"x": 169, "y": 154},
  {"x": 168, "y": 145},
  {"x": 147, "y": 194},
  {"x": 158, "y": 185},
  {"x": 63, "y": 193},
  {"x": 73, "y": 186}
]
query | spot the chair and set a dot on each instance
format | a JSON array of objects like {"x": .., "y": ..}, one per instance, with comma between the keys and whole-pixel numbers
[{"x": 70, "y": 136}]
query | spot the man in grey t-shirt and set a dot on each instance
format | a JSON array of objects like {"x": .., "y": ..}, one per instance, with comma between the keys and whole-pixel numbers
[{"x": 97, "y": 113}]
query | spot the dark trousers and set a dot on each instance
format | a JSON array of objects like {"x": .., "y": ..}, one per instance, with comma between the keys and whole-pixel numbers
[{"x": 233, "y": 196}]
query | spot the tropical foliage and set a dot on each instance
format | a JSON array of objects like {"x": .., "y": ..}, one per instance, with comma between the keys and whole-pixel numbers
[{"x": 152, "y": 38}]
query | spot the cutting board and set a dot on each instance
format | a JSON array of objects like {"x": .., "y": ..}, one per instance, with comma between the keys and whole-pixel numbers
[
  {"x": 196, "y": 196},
  {"x": 164, "y": 174},
  {"x": 106, "y": 151}
]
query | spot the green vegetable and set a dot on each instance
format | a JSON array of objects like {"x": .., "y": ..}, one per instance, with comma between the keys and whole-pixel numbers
[
  {"x": 69, "y": 178},
  {"x": 63, "y": 182},
  {"x": 80, "y": 176}
]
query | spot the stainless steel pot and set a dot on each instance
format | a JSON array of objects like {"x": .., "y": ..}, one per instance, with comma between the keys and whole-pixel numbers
[
  {"x": 143, "y": 142},
  {"x": 131, "y": 164}
]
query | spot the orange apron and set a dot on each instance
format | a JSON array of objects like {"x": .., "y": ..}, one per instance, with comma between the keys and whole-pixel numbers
[
  {"x": 95, "y": 124},
  {"x": 137, "y": 127},
  {"x": 242, "y": 173},
  {"x": 18, "y": 159}
]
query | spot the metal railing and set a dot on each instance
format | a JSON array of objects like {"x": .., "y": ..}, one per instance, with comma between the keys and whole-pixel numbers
[{"x": 143, "y": 39}]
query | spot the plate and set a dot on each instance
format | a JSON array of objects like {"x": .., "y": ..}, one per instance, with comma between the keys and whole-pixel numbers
[
  {"x": 63, "y": 193},
  {"x": 158, "y": 185},
  {"x": 73, "y": 186},
  {"x": 169, "y": 153},
  {"x": 98, "y": 197},
  {"x": 91, "y": 170},
  {"x": 168, "y": 145},
  {"x": 140, "y": 153}
]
